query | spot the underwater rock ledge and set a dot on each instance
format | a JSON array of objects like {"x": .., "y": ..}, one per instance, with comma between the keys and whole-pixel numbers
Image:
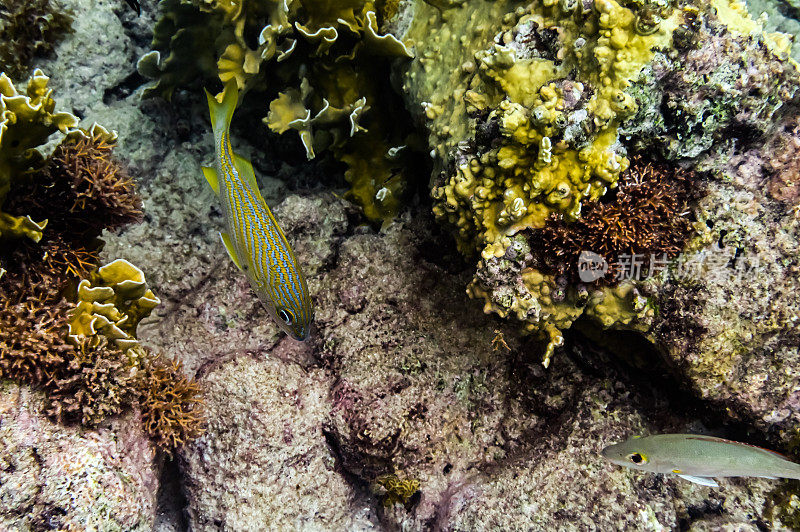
[
  {"x": 708, "y": 94},
  {"x": 429, "y": 391},
  {"x": 409, "y": 408}
]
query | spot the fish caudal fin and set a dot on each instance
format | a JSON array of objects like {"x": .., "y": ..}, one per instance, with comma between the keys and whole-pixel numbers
[
  {"x": 703, "y": 481},
  {"x": 211, "y": 176},
  {"x": 222, "y": 106}
]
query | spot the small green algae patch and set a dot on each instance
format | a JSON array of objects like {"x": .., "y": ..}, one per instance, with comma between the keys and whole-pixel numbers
[{"x": 397, "y": 491}]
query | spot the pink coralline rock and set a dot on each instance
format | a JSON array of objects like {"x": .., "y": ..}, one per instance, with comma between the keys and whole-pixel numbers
[
  {"x": 263, "y": 462},
  {"x": 728, "y": 325},
  {"x": 783, "y": 182},
  {"x": 55, "y": 477}
]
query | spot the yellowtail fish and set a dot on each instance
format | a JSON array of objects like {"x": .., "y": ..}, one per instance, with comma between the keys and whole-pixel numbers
[
  {"x": 698, "y": 458},
  {"x": 254, "y": 241}
]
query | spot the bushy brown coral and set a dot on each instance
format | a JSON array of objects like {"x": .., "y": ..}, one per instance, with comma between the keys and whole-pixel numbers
[
  {"x": 647, "y": 215},
  {"x": 33, "y": 311},
  {"x": 170, "y": 404},
  {"x": 28, "y": 28},
  {"x": 82, "y": 190},
  {"x": 82, "y": 384},
  {"x": 95, "y": 382},
  {"x": 42, "y": 270},
  {"x": 33, "y": 343}
]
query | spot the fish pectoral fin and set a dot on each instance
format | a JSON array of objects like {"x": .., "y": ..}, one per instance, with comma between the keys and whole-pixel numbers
[
  {"x": 211, "y": 176},
  {"x": 703, "y": 481},
  {"x": 245, "y": 168},
  {"x": 226, "y": 240}
]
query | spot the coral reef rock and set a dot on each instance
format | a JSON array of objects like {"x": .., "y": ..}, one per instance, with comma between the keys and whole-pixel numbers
[
  {"x": 54, "y": 477},
  {"x": 408, "y": 407},
  {"x": 263, "y": 462},
  {"x": 525, "y": 135}
]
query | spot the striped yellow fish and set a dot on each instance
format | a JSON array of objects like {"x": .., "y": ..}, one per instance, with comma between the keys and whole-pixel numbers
[{"x": 254, "y": 241}]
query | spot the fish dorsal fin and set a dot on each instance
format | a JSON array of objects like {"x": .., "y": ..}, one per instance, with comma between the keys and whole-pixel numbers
[
  {"x": 226, "y": 240},
  {"x": 703, "y": 481},
  {"x": 245, "y": 170},
  {"x": 210, "y": 173}
]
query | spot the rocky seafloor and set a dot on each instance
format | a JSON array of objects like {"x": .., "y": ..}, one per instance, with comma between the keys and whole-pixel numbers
[{"x": 405, "y": 380}]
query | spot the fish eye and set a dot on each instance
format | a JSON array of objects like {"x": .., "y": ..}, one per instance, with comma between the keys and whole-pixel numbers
[
  {"x": 286, "y": 316},
  {"x": 637, "y": 458}
]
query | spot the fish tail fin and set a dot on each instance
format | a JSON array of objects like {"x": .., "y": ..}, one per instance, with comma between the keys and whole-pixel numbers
[{"x": 222, "y": 107}]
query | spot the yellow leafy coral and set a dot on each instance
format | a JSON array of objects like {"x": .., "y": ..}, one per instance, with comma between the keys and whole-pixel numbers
[
  {"x": 111, "y": 305},
  {"x": 318, "y": 62},
  {"x": 26, "y": 121}
]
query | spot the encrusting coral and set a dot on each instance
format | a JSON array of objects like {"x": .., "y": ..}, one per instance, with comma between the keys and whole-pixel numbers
[
  {"x": 784, "y": 168},
  {"x": 527, "y": 132},
  {"x": 68, "y": 326},
  {"x": 532, "y": 120},
  {"x": 318, "y": 65},
  {"x": 28, "y": 28},
  {"x": 700, "y": 98}
]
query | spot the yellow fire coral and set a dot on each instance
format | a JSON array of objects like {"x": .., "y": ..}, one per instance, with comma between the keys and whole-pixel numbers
[
  {"x": 111, "y": 305},
  {"x": 26, "y": 121},
  {"x": 554, "y": 94},
  {"x": 548, "y": 305}
]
